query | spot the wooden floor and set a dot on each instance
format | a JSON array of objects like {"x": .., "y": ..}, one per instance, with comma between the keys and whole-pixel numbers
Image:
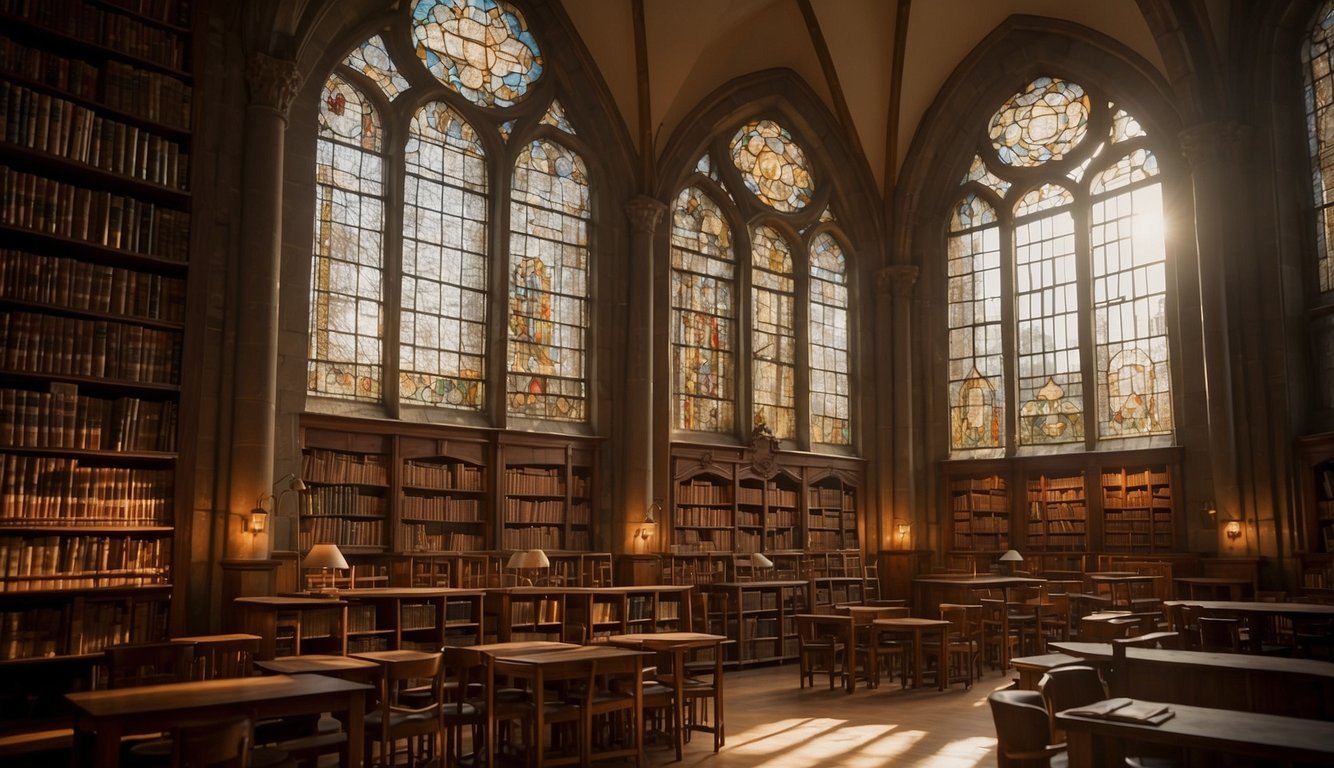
[{"x": 771, "y": 722}]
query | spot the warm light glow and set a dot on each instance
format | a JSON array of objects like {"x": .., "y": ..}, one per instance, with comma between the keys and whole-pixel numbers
[
  {"x": 259, "y": 519},
  {"x": 1233, "y": 529}
]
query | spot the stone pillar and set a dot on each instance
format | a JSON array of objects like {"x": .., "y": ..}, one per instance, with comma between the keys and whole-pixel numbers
[
  {"x": 894, "y": 321},
  {"x": 272, "y": 84},
  {"x": 637, "y": 481},
  {"x": 1215, "y": 154}
]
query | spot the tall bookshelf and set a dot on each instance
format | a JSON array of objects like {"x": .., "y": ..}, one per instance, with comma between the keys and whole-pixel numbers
[
  {"x": 95, "y": 206},
  {"x": 980, "y": 513},
  {"x": 831, "y": 513},
  {"x": 347, "y": 501},
  {"x": 547, "y": 498},
  {"x": 442, "y": 499},
  {"x": 1057, "y": 508},
  {"x": 1137, "y": 509},
  {"x": 767, "y": 513}
]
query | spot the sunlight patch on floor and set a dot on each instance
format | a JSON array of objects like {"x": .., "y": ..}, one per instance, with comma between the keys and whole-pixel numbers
[
  {"x": 962, "y": 753},
  {"x": 824, "y": 741}
]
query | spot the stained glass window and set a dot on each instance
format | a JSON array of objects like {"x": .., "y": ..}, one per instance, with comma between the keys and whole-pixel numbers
[
  {"x": 347, "y": 268},
  {"x": 442, "y": 335},
  {"x": 796, "y": 323},
  {"x": 773, "y": 333},
  {"x": 1320, "y": 130},
  {"x": 831, "y": 406},
  {"x": 480, "y": 48},
  {"x": 1058, "y": 337},
  {"x": 549, "y": 218},
  {"x": 428, "y": 314},
  {"x": 703, "y": 314}
]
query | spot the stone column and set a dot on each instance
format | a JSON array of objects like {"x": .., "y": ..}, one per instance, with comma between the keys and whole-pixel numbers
[
  {"x": 272, "y": 84},
  {"x": 897, "y": 414},
  {"x": 1215, "y": 154},
  {"x": 637, "y": 407}
]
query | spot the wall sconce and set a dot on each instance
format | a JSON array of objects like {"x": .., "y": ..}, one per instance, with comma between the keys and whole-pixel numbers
[
  {"x": 901, "y": 527},
  {"x": 1233, "y": 529},
  {"x": 259, "y": 520},
  {"x": 649, "y": 525},
  {"x": 1211, "y": 512}
]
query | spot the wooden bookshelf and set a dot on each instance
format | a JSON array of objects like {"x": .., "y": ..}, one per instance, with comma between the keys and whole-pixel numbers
[
  {"x": 1137, "y": 509},
  {"x": 443, "y": 501},
  {"x": 1315, "y": 477},
  {"x": 761, "y": 619},
  {"x": 546, "y": 501},
  {"x": 832, "y": 522},
  {"x": 96, "y": 122},
  {"x": 979, "y": 508},
  {"x": 348, "y": 498},
  {"x": 1057, "y": 509}
]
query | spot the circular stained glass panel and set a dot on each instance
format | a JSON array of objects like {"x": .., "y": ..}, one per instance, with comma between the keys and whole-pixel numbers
[
  {"x": 773, "y": 166},
  {"x": 480, "y": 48},
  {"x": 1043, "y": 123}
]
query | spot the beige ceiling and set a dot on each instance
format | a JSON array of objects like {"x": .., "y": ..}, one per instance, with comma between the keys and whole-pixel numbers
[{"x": 696, "y": 46}]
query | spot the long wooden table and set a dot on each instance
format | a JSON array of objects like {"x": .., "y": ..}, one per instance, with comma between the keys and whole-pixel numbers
[
  {"x": 1199, "y": 731},
  {"x": 678, "y": 644},
  {"x": 1241, "y": 681},
  {"x": 930, "y": 591},
  {"x": 487, "y": 654},
  {"x": 915, "y": 626},
  {"x": 103, "y": 717}
]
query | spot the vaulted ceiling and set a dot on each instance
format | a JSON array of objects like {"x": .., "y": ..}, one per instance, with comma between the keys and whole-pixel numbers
[{"x": 692, "y": 47}]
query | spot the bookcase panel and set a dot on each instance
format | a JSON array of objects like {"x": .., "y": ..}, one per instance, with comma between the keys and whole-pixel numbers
[
  {"x": 1137, "y": 509},
  {"x": 95, "y": 216},
  {"x": 980, "y": 513},
  {"x": 443, "y": 502},
  {"x": 347, "y": 501},
  {"x": 1057, "y": 513}
]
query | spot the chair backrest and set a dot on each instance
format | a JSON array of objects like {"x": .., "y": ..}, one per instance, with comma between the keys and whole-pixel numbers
[
  {"x": 397, "y": 675},
  {"x": 134, "y": 664},
  {"x": 1219, "y": 634},
  {"x": 212, "y": 743},
  {"x": 871, "y": 583},
  {"x": 1022, "y": 726},
  {"x": 1072, "y": 686},
  {"x": 815, "y": 629}
]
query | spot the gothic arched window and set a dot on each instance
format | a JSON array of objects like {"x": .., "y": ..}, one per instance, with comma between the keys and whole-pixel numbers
[
  {"x": 405, "y": 307},
  {"x": 1057, "y": 282},
  {"x": 771, "y": 341},
  {"x": 1319, "y": 59}
]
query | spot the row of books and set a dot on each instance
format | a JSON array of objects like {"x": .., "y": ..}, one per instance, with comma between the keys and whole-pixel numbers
[
  {"x": 102, "y": 349},
  {"x": 322, "y": 466},
  {"x": 444, "y": 477},
  {"x": 719, "y": 540},
  {"x": 440, "y": 509},
  {"x": 90, "y": 23},
  {"x": 703, "y": 492},
  {"x": 417, "y": 616},
  {"x": 43, "y": 490},
  {"x": 337, "y": 530},
  {"x": 963, "y": 540},
  {"x": 983, "y": 524},
  {"x": 55, "y": 126},
  {"x": 704, "y": 517},
  {"x": 361, "y": 618},
  {"x": 775, "y": 496},
  {"x": 40, "y": 204},
  {"x": 535, "y": 537},
  {"x": 74, "y": 556},
  {"x": 1146, "y": 477},
  {"x": 981, "y": 502},
  {"x": 329, "y": 500},
  {"x": 530, "y": 511},
  {"x": 826, "y": 540},
  {"x": 80, "y": 627},
  {"x": 543, "y": 611},
  {"x": 62, "y": 418},
  {"x": 534, "y": 481},
  {"x": 418, "y": 539},
  {"x": 80, "y": 285}
]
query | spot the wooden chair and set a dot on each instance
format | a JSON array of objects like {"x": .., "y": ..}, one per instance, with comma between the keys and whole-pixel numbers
[
  {"x": 1078, "y": 685},
  {"x": 459, "y": 709},
  {"x": 212, "y": 744},
  {"x": 819, "y": 650},
  {"x": 1023, "y": 731},
  {"x": 135, "y": 664},
  {"x": 880, "y": 652},
  {"x": 391, "y": 720},
  {"x": 612, "y": 725},
  {"x": 871, "y": 582},
  {"x": 1000, "y": 642},
  {"x": 1220, "y": 634},
  {"x": 959, "y": 657}
]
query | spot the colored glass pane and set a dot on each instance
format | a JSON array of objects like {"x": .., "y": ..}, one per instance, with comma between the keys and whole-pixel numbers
[
  {"x": 480, "y": 48},
  {"x": 556, "y": 118},
  {"x": 831, "y": 402},
  {"x": 346, "y": 300},
  {"x": 976, "y": 363},
  {"x": 1042, "y": 123},
  {"x": 1044, "y": 198},
  {"x": 372, "y": 59},
  {"x": 703, "y": 315},
  {"x": 1320, "y": 129},
  {"x": 1135, "y": 167},
  {"x": 443, "y": 329},
  {"x": 549, "y": 263},
  {"x": 979, "y": 172},
  {"x": 773, "y": 333},
  {"x": 1130, "y": 314},
  {"x": 773, "y": 166},
  {"x": 1048, "y": 366},
  {"x": 1125, "y": 126}
]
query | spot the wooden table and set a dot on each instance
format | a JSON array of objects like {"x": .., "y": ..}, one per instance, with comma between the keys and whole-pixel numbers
[
  {"x": 103, "y": 717},
  {"x": 930, "y": 591},
  {"x": 840, "y": 626},
  {"x": 678, "y": 644},
  {"x": 346, "y": 667},
  {"x": 1209, "y": 587},
  {"x": 915, "y": 626},
  {"x": 1097, "y": 742},
  {"x": 863, "y": 618},
  {"x": 1114, "y": 579},
  {"x": 1032, "y": 668},
  {"x": 1270, "y": 684},
  {"x": 549, "y": 665},
  {"x": 486, "y": 655},
  {"x": 1257, "y": 614}
]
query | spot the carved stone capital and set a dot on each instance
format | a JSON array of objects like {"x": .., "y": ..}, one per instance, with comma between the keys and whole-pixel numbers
[
  {"x": 899, "y": 278},
  {"x": 1221, "y": 140},
  {"x": 645, "y": 213},
  {"x": 272, "y": 82}
]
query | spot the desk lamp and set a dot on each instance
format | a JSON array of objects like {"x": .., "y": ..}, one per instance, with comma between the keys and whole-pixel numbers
[{"x": 328, "y": 558}]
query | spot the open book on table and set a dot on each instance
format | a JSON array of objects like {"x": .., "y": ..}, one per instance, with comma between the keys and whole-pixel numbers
[{"x": 1126, "y": 710}]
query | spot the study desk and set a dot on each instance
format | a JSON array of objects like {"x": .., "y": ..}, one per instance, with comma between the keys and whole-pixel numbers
[
  {"x": 579, "y": 663},
  {"x": 930, "y": 591},
  {"x": 1095, "y": 742},
  {"x": 1210, "y": 587},
  {"x": 834, "y": 625},
  {"x": 346, "y": 667},
  {"x": 103, "y": 717},
  {"x": 1032, "y": 668},
  {"x": 1124, "y": 581},
  {"x": 678, "y": 644},
  {"x": 487, "y": 654},
  {"x": 1315, "y": 617},
  {"x": 1270, "y": 684},
  {"x": 915, "y": 626}
]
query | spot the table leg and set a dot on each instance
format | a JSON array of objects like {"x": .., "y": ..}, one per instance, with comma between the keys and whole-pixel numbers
[
  {"x": 356, "y": 727},
  {"x": 943, "y": 666},
  {"x": 678, "y": 686},
  {"x": 917, "y": 657}
]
